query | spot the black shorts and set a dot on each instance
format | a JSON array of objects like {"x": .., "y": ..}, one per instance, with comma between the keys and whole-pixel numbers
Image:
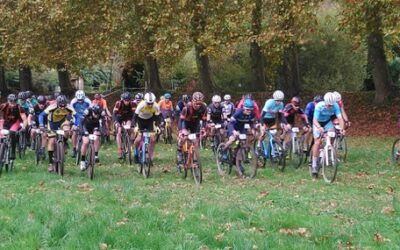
[
  {"x": 146, "y": 125},
  {"x": 269, "y": 122}
]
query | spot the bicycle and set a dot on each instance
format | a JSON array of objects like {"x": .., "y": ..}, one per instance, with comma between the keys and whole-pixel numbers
[
  {"x": 294, "y": 149},
  {"x": 340, "y": 145},
  {"x": 39, "y": 154},
  {"x": 203, "y": 135},
  {"x": 167, "y": 131},
  {"x": 217, "y": 138},
  {"x": 144, "y": 154},
  {"x": 272, "y": 150},
  {"x": 21, "y": 142},
  {"x": 191, "y": 159},
  {"x": 396, "y": 152},
  {"x": 78, "y": 147},
  {"x": 126, "y": 143},
  {"x": 105, "y": 135},
  {"x": 58, "y": 159},
  {"x": 5, "y": 152},
  {"x": 90, "y": 155},
  {"x": 327, "y": 158},
  {"x": 242, "y": 156}
]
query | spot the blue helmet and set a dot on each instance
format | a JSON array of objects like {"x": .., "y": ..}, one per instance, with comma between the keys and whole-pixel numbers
[
  {"x": 167, "y": 96},
  {"x": 248, "y": 103}
]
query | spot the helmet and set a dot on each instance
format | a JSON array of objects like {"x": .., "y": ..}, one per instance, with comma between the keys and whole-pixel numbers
[
  {"x": 248, "y": 96},
  {"x": 139, "y": 96},
  {"x": 248, "y": 103},
  {"x": 329, "y": 98},
  {"x": 97, "y": 96},
  {"x": 56, "y": 94},
  {"x": 296, "y": 101},
  {"x": 126, "y": 96},
  {"x": 22, "y": 95},
  {"x": 338, "y": 96},
  {"x": 185, "y": 98},
  {"x": 227, "y": 97},
  {"x": 167, "y": 96},
  {"x": 28, "y": 94},
  {"x": 318, "y": 98},
  {"x": 41, "y": 99},
  {"x": 278, "y": 95},
  {"x": 149, "y": 98},
  {"x": 97, "y": 109},
  {"x": 80, "y": 95},
  {"x": 61, "y": 101},
  {"x": 216, "y": 98},
  {"x": 198, "y": 97},
  {"x": 11, "y": 98}
]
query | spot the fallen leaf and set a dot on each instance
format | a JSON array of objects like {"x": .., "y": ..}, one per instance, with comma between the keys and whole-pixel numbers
[
  {"x": 263, "y": 193},
  {"x": 388, "y": 210},
  {"x": 389, "y": 190},
  {"x": 123, "y": 222},
  {"x": 378, "y": 237},
  {"x": 219, "y": 237},
  {"x": 103, "y": 246},
  {"x": 371, "y": 186}
]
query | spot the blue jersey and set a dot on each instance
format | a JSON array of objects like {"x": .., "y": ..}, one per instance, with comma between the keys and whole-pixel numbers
[
  {"x": 80, "y": 108},
  {"x": 310, "y": 111},
  {"x": 323, "y": 114},
  {"x": 239, "y": 119},
  {"x": 271, "y": 108}
]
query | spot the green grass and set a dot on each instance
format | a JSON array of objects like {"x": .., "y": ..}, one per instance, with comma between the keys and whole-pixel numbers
[{"x": 125, "y": 211}]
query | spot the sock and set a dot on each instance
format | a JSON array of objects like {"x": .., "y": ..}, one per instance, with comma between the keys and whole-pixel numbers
[
  {"x": 314, "y": 161},
  {"x": 83, "y": 157}
]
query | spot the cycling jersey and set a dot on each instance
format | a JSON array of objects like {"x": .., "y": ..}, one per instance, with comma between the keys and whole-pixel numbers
[
  {"x": 310, "y": 111},
  {"x": 89, "y": 122},
  {"x": 56, "y": 115},
  {"x": 36, "y": 112},
  {"x": 145, "y": 111},
  {"x": 27, "y": 106},
  {"x": 216, "y": 113},
  {"x": 102, "y": 103},
  {"x": 229, "y": 108},
  {"x": 323, "y": 115},
  {"x": 123, "y": 112},
  {"x": 272, "y": 108},
  {"x": 80, "y": 108},
  {"x": 165, "y": 105},
  {"x": 11, "y": 115},
  {"x": 238, "y": 121},
  {"x": 256, "y": 108},
  {"x": 190, "y": 118},
  {"x": 289, "y": 112}
]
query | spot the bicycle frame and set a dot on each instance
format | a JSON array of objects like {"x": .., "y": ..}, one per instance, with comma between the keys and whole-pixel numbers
[{"x": 144, "y": 144}]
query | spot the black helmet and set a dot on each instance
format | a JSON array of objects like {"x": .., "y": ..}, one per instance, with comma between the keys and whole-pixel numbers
[
  {"x": 21, "y": 95},
  {"x": 318, "y": 98},
  {"x": 61, "y": 101},
  {"x": 139, "y": 96},
  {"x": 126, "y": 96},
  {"x": 97, "y": 109},
  {"x": 11, "y": 98},
  {"x": 28, "y": 94},
  {"x": 41, "y": 99}
]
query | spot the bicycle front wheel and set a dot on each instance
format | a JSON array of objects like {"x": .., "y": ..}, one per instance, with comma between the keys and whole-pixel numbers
[
  {"x": 341, "y": 148},
  {"x": 246, "y": 162},
  {"x": 224, "y": 160},
  {"x": 38, "y": 145},
  {"x": 295, "y": 154},
  {"x": 396, "y": 152},
  {"x": 90, "y": 156},
  {"x": 329, "y": 164},
  {"x": 146, "y": 164},
  {"x": 278, "y": 156},
  {"x": 2, "y": 154},
  {"x": 196, "y": 167},
  {"x": 60, "y": 158}
]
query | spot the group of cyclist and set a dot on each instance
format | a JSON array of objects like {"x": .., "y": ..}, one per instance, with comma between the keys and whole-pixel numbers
[{"x": 141, "y": 112}]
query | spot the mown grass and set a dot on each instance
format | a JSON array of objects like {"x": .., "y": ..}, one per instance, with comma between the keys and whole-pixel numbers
[{"x": 122, "y": 210}]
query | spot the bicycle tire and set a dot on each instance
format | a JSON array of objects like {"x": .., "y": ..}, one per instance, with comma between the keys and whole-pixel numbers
[
  {"x": 78, "y": 150},
  {"x": 169, "y": 134},
  {"x": 196, "y": 168},
  {"x": 185, "y": 167},
  {"x": 396, "y": 152},
  {"x": 146, "y": 164},
  {"x": 295, "y": 154},
  {"x": 341, "y": 148},
  {"x": 90, "y": 156},
  {"x": 60, "y": 156},
  {"x": 279, "y": 160},
  {"x": 20, "y": 144},
  {"x": 2, "y": 151},
  {"x": 242, "y": 158},
  {"x": 260, "y": 155},
  {"x": 38, "y": 144},
  {"x": 223, "y": 165},
  {"x": 329, "y": 167},
  {"x": 128, "y": 149}
]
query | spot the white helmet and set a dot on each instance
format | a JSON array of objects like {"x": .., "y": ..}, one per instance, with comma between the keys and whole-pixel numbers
[
  {"x": 329, "y": 98},
  {"x": 227, "y": 97},
  {"x": 80, "y": 95},
  {"x": 278, "y": 95},
  {"x": 338, "y": 96},
  {"x": 149, "y": 97},
  {"x": 216, "y": 98}
]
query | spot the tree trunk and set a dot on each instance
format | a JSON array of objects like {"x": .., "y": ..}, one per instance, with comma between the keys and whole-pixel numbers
[
  {"x": 203, "y": 65},
  {"x": 25, "y": 78},
  {"x": 289, "y": 77},
  {"x": 64, "y": 80},
  {"x": 3, "y": 84},
  {"x": 152, "y": 74},
  {"x": 257, "y": 57},
  {"x": 377, "y": 57},
  {"x": 132, "y": 75}
]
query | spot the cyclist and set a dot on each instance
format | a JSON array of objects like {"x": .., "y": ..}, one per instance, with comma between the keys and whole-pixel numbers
[
  {"x": 30, "y": 98},
  {"x": 215, "y": 115},
  {"x": 179, "y": 107},
  {"x": 90, "y": 121},
  {"x": 59, "y": 116},
  {"x": 23, "y": 103},
  {"x": 256, "y": 108},
  {"x": 323, "y": 122},
  {"x": 80, "y": 103},
  {"x": 146, "y": 114},
  {"x": 192, "y": 113},
  {"x": 166, "y": 106},
  {"x": 33, "y": 120},
  {"x": 12, "y": 114},
  {"x": 99, "y": 100},
  {"x": 288, "y": 116},
  {"x": 123, "y": 112},
  {"x": 271, "y": 112},
  {"x": 310, "y": 116},
  {"x": 229, "y": 107},
  {"x": 338, "y": 98}
]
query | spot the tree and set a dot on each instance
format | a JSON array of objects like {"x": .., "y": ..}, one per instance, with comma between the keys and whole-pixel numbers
[{"x": 25, "y": 78}]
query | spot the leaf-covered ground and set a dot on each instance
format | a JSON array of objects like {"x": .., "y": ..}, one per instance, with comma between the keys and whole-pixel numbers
[{"x": 122, "y": 210}]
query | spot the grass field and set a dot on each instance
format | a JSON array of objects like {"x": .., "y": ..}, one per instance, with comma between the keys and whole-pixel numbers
[{"x": 122, "y": 210}]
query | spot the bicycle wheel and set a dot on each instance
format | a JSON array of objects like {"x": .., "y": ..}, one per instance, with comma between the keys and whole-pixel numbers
[
  {"x": 223, "y": 159},
  {"x": 169, "y": 134},
  {"x": 396, "y": 152},
  {"x": 185, "y": 166},
  {"x": 2, "y": 152},
  {"x": 78, "y": 150},
  {"x": 260, "y": 155},
  {"x": 217, "y": 141},
  {"x": 60, "y": 156},
  {"x": 329, "y": 165},
  {"x": 90, "y": 160},
  {"x": 196, "y": 168},
  {"x": 246, "y": 162},
  {"x": 146, "y": 164},
  {"x": 21, "y": 144},
  {"x": 278, "y": 156},
  {"x": 295, "y": 154},
  {"x": 341, "y": 148},
  {"x": 38, "y": 145}
]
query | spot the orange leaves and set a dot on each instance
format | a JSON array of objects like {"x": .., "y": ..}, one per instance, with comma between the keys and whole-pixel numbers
[{"x": 302, "y": 232}]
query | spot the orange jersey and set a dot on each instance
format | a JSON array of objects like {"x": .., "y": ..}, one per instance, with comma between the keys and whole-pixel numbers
[
  {"x": 102, "y": 103},
  {"x": 165, "y": 105}
]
